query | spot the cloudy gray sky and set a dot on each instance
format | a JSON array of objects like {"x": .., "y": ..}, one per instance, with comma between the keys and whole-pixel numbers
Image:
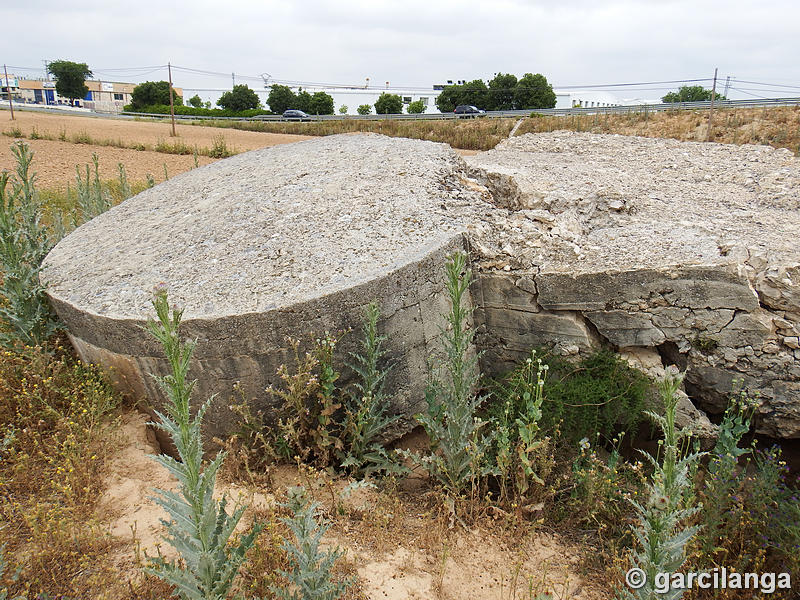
[{"x": 415, "y": 43}]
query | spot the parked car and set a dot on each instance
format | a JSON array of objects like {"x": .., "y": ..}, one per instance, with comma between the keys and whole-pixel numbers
[
  {"x": 467, "y": 111},
  {"x": 295, "y": 115}
]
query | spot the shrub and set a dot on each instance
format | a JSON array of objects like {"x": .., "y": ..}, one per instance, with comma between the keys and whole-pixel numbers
[
  {"x": 389, "y": 104},
  {"x": 200, "y": 527},
  {"x": 219, "y": 148},
  {"x": 163, "y": 109},
  {"x": 150, "y": 93},
  {"x": 56, "y": 440},
  {"x": 25, "y": 313},
  {"x": 364, "y": 109},
  {"x": 306, "y": 426},
  {"x": 93, "y": 199},
  {"x": 724, "y": 479},
  {"x": 416, "y": 107},
  {"x": 599, "y": 394}
]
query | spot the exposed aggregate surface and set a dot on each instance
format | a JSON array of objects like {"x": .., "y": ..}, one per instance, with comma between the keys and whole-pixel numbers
[{"x": 272, "y": 227}]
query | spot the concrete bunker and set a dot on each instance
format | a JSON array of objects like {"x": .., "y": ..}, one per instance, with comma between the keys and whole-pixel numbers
[{"x": 577, "y": 241}]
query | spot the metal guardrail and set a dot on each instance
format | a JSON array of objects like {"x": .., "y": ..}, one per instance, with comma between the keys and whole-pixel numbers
[{"x": 637, "y": 108}]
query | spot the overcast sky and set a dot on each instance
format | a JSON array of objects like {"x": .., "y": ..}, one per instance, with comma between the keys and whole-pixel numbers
[{"x": 415, "y": 43}]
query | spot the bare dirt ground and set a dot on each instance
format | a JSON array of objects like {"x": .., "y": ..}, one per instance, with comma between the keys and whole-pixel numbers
[
  {"x": 56, "y": 160},
  {"x": 398, "y": 551}
]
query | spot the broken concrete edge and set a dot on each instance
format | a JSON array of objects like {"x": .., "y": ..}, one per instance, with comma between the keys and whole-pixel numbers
[
  {"x": 723, "y": 335},
  {"x": 509, "y": 321}
]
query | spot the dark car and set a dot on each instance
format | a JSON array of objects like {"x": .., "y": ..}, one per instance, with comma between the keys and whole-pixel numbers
[
  {"x": 295, "y": 115},
  {"x": 467, "y": 110}
]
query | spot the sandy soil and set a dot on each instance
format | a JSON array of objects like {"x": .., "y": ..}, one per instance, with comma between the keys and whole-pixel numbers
[
  {"x": 407, "y": 556},
  {"x": 56, "y": 160}
]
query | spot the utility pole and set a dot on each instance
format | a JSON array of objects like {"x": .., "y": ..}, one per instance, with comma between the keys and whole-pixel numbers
[
  {"x": 711, "y": 108},
  {"x": 171, "y": 101},
  {"x": 233, "y": 80},
  {"x": 727, "y": 85},
  {"x": 8, "y": 90}
]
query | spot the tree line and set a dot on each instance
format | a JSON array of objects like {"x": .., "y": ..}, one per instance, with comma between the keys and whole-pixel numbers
[{"x": 503, "y": 92}]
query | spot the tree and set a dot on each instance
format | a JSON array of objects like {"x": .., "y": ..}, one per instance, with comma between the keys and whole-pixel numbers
[
  {"x": 240, "y": 98},
  {"x": 302, "y": 101},
  {"x": 343, "y": 109},
  {"x": 151, "y": 93},
  {"x": 70, "y": 78},
  {"x": 364, "y": 109},
  {"x": 415, "y": 108},
  {"x": 389, "y": 104},
  {"x": 501, "y": 92},
  {"x": 196, "y": 101},
  {"x": 475, "y": 93},
  {"x": 533, "y": 91},
  {"x": 321, "y": 104},
  {"x": 691, "y": 93},
  {"x": 280, "y": 98},
  {"x": 449, "y": 98}
]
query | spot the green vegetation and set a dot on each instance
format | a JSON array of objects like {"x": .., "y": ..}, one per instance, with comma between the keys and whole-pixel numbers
[
  {"x": 200, "y": 527},
  {"x": 415, "y": 108},
  {"x": 458, "y": 447},
  {"x": 70, "y": 78},
  {"x": 310, "y": 576},
  {"x": 282, "y": 98},
  {"x": 504, "y": 92},
  {"x": 196, "y": 101},
  {"x": 518, "y": 444},
  {"x": 240, "y": 98},
  {"x": 151, "y": 93},
  {"x": 662, "y": 512},
  {"x": 600, "y": 393},
  {"x": 364, "y": 109},
  {"x": 25, "y": 315},
  {"x": 388, "y": 104},
  {"x": 691, "y": 93},
  {"x": 367, "y": 405},
  {"x": 163, "y": 109}
]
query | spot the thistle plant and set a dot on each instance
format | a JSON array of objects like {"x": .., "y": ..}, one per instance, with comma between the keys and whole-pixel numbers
[
  {"x": 457, "y": 446},
  {"x": 93, "y": 199},
  {"x": 368, "y": 405},
  {"x": 310, "y": 576},
  {"x": 25, "y": 313},
  {"x": 660, "y": 534},
  {"x": 200, "y": 527}
]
